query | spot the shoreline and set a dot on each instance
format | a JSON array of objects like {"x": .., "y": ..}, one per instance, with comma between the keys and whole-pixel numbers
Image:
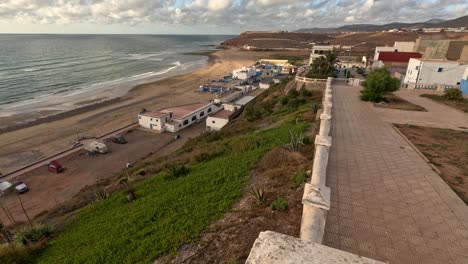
[
  {"x": 211, "y": 59},
  {"x": 29, "y": 142}
]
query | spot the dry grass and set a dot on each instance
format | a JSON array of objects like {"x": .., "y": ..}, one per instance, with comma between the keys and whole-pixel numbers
[
  {"x": 445, "y": 148},
  {"x": 395, "y": 102},
  {"x": 458, "y": 104}
]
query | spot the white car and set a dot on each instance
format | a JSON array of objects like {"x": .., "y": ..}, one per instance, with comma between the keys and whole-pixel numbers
[
  {"x": 21, "y": 187},
  {"x": 4, "y": 186}
]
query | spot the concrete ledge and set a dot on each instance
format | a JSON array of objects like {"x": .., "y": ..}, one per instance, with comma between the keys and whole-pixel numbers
[
  {"x": 325, "y": 116},
  {"x": 274, "y": 248},
  {"x": 317, "y": 196},
  {"x": 323, "y": 141}
]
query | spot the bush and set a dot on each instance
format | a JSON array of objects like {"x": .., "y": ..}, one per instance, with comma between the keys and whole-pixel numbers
[
  {"x": 296, "y": 141},
  {"x": 259, "y": 195},
  {"x": 377, "y": 84},
  {"x": 101, "y": 194},
  {"x": 298, "y": 179},
  {"x": 453, "y": 94},
  {"x": 177, "y": 171},
  {"x": 279, "y": 204},
  {"x": 33, "y": 234}
]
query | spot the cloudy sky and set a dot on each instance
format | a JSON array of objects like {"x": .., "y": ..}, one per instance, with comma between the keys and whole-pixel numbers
[{"x": 211, "y": 16}]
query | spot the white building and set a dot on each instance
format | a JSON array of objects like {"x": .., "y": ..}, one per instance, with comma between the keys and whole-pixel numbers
[
  {"x": 434, "y": 74},
  {"x": 321, "y": 51},
  {"x": 173, "y": 119},
  {"x": 244, "y": 73},
  {"x": 398, "y": 46},
  {"x": 218, "y": 120}
]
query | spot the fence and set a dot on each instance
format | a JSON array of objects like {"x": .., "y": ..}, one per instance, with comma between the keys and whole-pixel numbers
[{"x": 316, "y": 197}]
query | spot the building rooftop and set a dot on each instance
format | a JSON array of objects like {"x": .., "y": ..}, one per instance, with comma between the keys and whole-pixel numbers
[
  {"x": 245, "y": 100},
  {"x": 390, "y": 56},
  {"x": 183, "y": 110},
  {"x": 155, "y": 114},
  {"x": 222, "y": 114}
]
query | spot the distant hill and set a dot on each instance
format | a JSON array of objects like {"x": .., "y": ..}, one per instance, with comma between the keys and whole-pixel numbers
[{"x": 458, "y": 22}]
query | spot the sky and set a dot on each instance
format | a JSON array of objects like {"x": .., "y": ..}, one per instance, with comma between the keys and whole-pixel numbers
[{"x": 211, "y": 16}]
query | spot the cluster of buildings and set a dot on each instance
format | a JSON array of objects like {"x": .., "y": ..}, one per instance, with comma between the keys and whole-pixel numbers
[
  {"x": 429, "y": 30},
  {"x": 430, "y": 62},
  {"x": 231, "y": 94}
]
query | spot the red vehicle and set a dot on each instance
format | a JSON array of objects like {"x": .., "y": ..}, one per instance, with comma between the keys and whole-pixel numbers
[{"x": 55, "y": 166}]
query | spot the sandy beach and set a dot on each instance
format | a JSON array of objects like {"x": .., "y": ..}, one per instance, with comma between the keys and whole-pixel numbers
[{"x": 47, "y": 136}]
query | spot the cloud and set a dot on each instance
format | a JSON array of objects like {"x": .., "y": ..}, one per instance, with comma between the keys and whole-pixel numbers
[{"x": 239, "y": 14}]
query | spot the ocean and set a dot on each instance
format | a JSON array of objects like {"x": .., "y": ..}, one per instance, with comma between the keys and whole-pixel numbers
[{"x": 45, "y": 72}]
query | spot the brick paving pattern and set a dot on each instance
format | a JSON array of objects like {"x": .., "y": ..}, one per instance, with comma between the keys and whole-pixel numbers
[{"x": 386, "y": 202}]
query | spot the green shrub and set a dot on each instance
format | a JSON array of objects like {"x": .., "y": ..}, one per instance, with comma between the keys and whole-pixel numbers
[
  {"x": 259, "y": 194},
  {"x": 377, "y": 84},
  {"x": 284, "y": 100},
  {"x": 33, "y": 234},
  {"x": 279, "y": 204},
  {"x": 306, "y": 93},
  {"x": 315, "y": 107},
  {"x": 453, "y": 94},
  {"x": 298, "y": 179},
  {"x": 177, "y": 171},
  {"x": 296, "y": 141},
  {"x": 101, "y": 194}
]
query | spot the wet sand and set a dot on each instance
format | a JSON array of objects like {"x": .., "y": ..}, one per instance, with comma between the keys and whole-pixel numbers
[{"x": 27, "y": 143}]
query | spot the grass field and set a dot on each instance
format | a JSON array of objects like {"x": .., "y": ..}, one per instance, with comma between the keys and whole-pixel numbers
[
  {"x": 170, "y": 212},
  {"x": 459, "y": 104}
]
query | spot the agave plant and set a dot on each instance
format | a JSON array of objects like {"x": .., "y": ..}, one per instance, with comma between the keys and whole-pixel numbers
[
  {"x": 259, "y": 194},
  {"x": 101, "y": 194},
  {"x": 33, "y": 234},
  {"x": 176, "y": 171},
  {"x": 296, "y": 141},
  {"x": 315, "y": 107}
]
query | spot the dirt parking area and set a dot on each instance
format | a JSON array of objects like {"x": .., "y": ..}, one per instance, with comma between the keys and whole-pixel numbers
[
  {"x": 445, "y": 148},
  {"x": 47, "y": 190}
]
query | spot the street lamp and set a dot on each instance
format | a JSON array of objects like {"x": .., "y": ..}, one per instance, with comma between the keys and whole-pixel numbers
[{"x": 349, "y": 57}]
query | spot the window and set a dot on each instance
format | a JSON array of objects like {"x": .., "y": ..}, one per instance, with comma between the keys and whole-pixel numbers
[
  {"x": 202, "y": 113},
  {"x": 194, "y": 118},
  {"x": 139, "y": 117},
  {"x": 185, "y": 122},
  {"x": 151, "y": 119},
  {"x": 209, "y": 110},
  {"x": 179, "y": 125},
  {"x": 213, "y": 121},
  {"x": 440, "y": 69},
  {"x": 417, "y": 67}
]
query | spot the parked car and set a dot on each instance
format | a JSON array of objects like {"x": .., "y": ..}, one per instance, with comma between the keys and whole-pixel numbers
[
  {"x": 119, "y": 140},
  {"x": 4, "y": 186},
  {"x": 20, "y": 187},
  {"x": 55, "y": 167}
]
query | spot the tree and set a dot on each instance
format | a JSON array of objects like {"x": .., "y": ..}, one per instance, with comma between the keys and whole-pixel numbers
[
  {"x": 377, "y": 84},
  {"x": 322, "y": 67}
]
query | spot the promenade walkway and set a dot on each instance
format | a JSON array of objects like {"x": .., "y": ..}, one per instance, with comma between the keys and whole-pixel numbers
[{"x": 386, "y": 202}]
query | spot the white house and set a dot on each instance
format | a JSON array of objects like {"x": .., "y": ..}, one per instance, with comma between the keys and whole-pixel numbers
[
  {"x": 320, "y": 50},
  {"x": 244, "y": 73},
  {"x": 173, "y": 119},
  {"x": 434, "y": 74},
  {"x": 218, "y": 120}
]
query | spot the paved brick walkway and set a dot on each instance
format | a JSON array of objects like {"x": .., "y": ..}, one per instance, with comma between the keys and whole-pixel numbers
[
  {"x": 387, "y": 203},
  {"x": 437, "y": 115}
]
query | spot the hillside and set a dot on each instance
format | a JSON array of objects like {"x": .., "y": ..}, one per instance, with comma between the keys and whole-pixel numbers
[
  {"x": 433, "y": 23},
  {"x": 282, "y": 40},
  {"x": 175, "y": 206}
]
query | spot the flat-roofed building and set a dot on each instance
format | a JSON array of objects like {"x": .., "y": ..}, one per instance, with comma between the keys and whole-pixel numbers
[
  {"x": 434, "y": 74},
  {"x": 175, "y": 118},
  {"x": 218, "y": 120}
]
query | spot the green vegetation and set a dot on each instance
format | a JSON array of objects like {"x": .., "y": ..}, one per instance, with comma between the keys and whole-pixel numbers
[
  {"x": 377, "y": 84},
  {"x": 322, "y": 67},
  {"x": 453, "y": 94},
  {"x": 259, "y": 195},
  {"x": 298, "y": 179},
  {"x": 280, "y": 204},
  {"x": 394, "y": 102},
  {"x": 179, "y": 201},
  {"x": 294, "y": 60},
  {"x": 461, "y": 104},
  {"x": 33, "y": 234}
]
